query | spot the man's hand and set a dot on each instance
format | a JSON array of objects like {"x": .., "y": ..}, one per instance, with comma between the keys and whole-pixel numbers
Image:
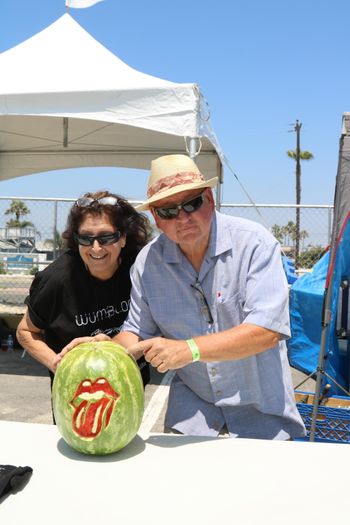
[
  {"x": 164, "y": 354},
  {"x": 75, "y": 342}
]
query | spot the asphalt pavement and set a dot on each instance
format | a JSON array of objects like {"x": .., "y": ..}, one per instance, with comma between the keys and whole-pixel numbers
[{"x": 25, "y": 391}]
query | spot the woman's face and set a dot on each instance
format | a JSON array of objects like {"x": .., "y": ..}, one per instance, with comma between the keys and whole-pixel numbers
[{"x": 101, "y": 260}]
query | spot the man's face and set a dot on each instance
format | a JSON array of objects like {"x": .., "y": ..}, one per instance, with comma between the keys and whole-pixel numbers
[{"x": 186, "y": 228}]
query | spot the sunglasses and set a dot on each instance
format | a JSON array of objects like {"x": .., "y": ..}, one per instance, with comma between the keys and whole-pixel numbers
[
  {"x": 189, "y": 206},
  {"x": 84, "y": 202},
  {"x": 103, "y": 240},
  {"x": 206, "y": 308}
]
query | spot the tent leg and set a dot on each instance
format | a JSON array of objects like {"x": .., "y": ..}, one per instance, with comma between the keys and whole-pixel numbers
[
  {"x": 319, "y": 373},
  {"x": 65, "y": 132}
]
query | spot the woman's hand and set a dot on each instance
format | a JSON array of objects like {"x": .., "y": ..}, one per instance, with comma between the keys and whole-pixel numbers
[{"x": 75, "y": 342}]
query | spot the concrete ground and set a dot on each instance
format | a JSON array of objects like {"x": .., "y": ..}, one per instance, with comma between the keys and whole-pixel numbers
[{"x": 25, "y": 391}]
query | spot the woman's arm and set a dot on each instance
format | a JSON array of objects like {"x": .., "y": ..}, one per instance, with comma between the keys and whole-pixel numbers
[{"x": 31, "y": 339}]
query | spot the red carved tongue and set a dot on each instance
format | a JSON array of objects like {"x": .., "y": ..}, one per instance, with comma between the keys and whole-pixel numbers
[{"x": 93, "y": 404}]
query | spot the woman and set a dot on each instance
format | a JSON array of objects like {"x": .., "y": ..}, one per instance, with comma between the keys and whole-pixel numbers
[{"x": 86, "y": 291}]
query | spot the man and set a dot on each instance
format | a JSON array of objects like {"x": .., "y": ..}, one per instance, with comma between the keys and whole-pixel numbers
[{"x": 210, "y": 300}]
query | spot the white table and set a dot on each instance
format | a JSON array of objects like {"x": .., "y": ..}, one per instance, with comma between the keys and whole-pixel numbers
[{"x": 169, "y": 479}]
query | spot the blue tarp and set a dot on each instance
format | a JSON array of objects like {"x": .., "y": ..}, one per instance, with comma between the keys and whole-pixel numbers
[
  {"x": 306, "y": 305},
  {"x": 289, "y": 269}
]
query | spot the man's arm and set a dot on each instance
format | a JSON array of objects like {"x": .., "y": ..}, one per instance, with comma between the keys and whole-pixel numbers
[
  {"x": 239, "y": 342},
  {"x": 236, "y": 343}
]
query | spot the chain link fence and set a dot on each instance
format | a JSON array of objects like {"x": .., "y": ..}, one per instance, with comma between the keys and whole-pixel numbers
[
  {"x": 31, "y": 228},
  {"x": 314, "y": 232}
]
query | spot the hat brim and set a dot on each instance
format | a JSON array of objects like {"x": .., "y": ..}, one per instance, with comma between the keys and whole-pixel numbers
[{"x": 210, "y": 183}]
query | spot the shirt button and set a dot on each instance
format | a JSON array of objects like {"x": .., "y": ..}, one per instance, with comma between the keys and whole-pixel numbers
[
  {"x": 218, "y": 392},
  {"x": 213, "y": 371}
]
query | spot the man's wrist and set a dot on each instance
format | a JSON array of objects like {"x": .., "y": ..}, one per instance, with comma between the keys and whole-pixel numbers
[{"x": 192, "y": 345}]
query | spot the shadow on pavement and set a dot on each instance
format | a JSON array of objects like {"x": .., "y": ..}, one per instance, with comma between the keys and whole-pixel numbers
[
  {"x": 155, "y": 377},
  {"x": 13, "y": 363}
]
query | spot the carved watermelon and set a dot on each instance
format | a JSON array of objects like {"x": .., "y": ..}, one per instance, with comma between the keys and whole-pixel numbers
[{"x": 98, "y": 397}]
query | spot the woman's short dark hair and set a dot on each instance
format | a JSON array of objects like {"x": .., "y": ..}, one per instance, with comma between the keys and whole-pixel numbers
[{"x": 135, "y": 226}]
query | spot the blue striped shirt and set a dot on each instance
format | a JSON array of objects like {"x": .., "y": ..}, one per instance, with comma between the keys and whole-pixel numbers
[{"x": 243, "y": 281}]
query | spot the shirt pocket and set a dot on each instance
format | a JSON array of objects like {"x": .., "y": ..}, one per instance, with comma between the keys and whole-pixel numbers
[{"x": 229, "y": 311}]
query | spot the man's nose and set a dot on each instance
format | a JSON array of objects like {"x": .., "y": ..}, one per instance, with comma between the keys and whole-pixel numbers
[{"x": 182, "y": 216}]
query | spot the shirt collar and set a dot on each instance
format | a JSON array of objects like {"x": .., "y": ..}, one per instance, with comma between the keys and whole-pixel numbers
[{"x": 220, "y": 238}]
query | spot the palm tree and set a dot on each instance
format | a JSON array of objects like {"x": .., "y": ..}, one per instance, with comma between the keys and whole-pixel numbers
[
  {"x": 298, "y": 155},
  {"x": 58, "y": 244},
  {"x": 18, "y": 209},
  {"x": 278, "y": 232},
  {"x": 14, "y": 223},
  {"x": 302, "y": 235},
  {"x": 21, "y": 238},
  {"x": 289, "y": 231}
]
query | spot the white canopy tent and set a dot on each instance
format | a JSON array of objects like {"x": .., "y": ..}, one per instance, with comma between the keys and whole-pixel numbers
[{"x": 66, "y": 102}]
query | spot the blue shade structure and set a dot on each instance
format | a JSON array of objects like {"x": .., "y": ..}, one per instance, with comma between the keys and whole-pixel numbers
[{"x": 320, "y": 342}]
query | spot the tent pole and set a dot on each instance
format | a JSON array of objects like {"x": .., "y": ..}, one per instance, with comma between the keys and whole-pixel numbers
[
  {"x": 193, "y": 150},
  {"x": 218, "y": 187},
  {"x": 326, "y": 313},
  {"x": 319, "y": 371},
  {"x": 65, "y": 132}
]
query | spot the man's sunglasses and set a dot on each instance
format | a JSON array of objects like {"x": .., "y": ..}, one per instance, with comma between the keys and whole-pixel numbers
[
  {"x": 84, "y": 202},
  {"x": 173, "y": 211},
  {"x": 103, "y": 240}
]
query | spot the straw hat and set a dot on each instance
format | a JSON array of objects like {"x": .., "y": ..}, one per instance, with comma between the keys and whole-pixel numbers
[{"x": 172, "y": 174}]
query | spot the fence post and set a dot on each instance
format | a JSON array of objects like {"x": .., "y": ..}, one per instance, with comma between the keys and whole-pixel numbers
[
  {"x": 54, "y": 229},
  {"x": 330, "y": 215}
]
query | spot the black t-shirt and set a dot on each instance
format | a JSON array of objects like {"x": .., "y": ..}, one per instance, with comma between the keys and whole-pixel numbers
[{"x": 67, "y": 302}]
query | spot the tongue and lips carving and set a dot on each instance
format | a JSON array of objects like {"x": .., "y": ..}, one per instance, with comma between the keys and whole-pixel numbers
[{"x": 93, "y": 404}]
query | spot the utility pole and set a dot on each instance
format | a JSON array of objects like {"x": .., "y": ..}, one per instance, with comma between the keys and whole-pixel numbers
[
  {"x": 298, "y": 155},
  {"x": 297, "y": 128}
]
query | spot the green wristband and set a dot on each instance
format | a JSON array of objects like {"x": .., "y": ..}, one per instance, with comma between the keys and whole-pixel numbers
[{"x": 196, "y": 355}]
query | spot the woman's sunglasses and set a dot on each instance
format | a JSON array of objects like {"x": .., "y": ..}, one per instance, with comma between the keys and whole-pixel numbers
[
  {"x": 173, "y": 211},
  {"x": 103, "y": 240},
  {"x": 84, "y": 202}
]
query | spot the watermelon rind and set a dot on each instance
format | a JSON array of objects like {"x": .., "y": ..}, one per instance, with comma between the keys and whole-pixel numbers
[{"x": 90, "y": 362}]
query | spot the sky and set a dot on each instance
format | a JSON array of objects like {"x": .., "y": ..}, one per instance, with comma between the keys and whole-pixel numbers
[{"x": 261, "y": 66}]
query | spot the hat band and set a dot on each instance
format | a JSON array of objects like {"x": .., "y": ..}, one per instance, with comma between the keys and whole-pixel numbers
[{"x": 186, "y": 177}]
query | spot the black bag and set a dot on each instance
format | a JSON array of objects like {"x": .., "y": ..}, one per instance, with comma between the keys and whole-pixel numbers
[
  {"x": 13, "y": 479},
  {"x": 5, "y": 331}
]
